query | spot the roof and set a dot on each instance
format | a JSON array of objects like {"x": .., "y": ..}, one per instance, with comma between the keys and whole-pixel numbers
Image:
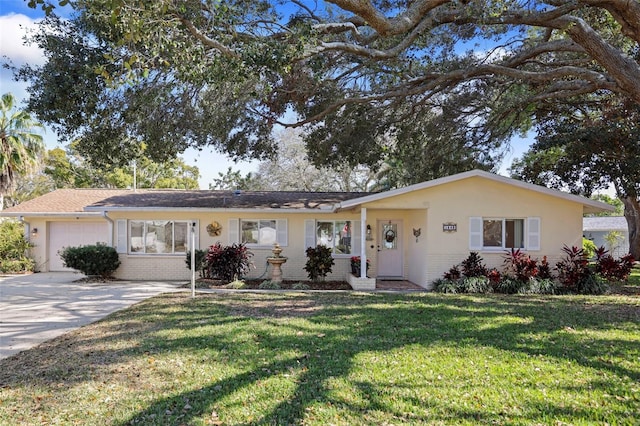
[
  {"x": 589, "y": 206},
  {"x": 62, "y": 201},
  {"x": 605, "y": 223},
  {"x": 94, "y": 201}
]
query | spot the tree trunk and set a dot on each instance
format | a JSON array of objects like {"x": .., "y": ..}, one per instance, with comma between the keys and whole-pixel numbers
[
  {"x": 632, "y": 214},
  {"x": 1, "y": 201}
]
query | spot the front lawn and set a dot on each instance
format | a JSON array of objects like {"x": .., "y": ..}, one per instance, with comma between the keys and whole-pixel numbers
[{"x": 337, "y": 358}]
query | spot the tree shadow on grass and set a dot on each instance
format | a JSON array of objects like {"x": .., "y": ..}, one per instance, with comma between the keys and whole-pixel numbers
[{"x": 316, "y": 339}]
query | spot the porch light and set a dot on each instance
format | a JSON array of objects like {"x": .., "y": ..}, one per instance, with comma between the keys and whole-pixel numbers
[
  {"x": 34, "y": 232},
  {"x": 369, "y": 237}
]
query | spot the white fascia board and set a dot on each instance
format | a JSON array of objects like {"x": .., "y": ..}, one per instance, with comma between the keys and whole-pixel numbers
[
  {"x": 51, "y": 214},
  {"x": 588, "y": 204},
  {"x": 207, "y": 210}
]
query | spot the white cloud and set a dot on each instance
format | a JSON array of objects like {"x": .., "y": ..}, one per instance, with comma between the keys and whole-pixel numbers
[{"x": 13, "y": 28}]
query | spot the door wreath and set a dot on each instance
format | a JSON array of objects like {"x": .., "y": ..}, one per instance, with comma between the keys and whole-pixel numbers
[{"x": 390, "y": 235}]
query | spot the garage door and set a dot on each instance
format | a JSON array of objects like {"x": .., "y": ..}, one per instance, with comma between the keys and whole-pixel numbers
[{"x": 73, "y": 234}]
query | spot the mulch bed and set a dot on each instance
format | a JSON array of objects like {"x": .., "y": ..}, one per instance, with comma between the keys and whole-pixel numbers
[{"x": 284, "y": 285}]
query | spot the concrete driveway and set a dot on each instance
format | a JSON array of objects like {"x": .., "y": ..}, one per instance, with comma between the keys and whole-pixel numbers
[{"x": 39, "y": 307}]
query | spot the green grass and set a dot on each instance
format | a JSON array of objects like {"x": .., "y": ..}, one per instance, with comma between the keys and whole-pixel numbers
[
  {"x": 634, "y": 277},
  {"x": 340, "y": 358}
]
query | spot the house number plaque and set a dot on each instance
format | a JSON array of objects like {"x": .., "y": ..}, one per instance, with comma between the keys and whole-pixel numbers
[{"x": 449, "y": 227}]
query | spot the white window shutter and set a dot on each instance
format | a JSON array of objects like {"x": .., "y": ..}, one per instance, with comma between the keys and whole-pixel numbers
[
  {"x": 533, "y": 233},
  {"x": 281, "y": 232},
  {"x": 309, "y": 233},
  {"x": 234, "y": 231},
  {"x": 121, "y": 237},
  {"x": 355, "y": 237},
  {"x": 475, "y": 233}
]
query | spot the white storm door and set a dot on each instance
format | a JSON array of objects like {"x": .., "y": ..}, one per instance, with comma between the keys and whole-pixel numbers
[{"x": 390, "y": 263}]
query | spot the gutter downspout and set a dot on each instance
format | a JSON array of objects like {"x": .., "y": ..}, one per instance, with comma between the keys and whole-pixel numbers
[{"x": 110, "y": 221}]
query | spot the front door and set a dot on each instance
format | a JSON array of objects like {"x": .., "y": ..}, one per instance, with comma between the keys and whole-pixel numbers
[{"x": 390, "y": 249}]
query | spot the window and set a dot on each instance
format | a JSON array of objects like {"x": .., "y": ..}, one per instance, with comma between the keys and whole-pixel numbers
[
  {"x": 503, "y": 233},
  {"x": 259, "y": 232},
  {"x": 158, "y": 236},
  {"x": 340, "y": 235}
]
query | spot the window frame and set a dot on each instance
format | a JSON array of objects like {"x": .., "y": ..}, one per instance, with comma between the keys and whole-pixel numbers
[
  {"x": 145, "y": 224},
  {"x": 259, "y": 244},
  {"x": 235, "y": 231},
  {"x": 503, "y": 237},
  {"x": 352, "y": 224}
]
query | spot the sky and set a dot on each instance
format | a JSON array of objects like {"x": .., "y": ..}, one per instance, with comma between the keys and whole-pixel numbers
[{"x": 16, "y": 18}]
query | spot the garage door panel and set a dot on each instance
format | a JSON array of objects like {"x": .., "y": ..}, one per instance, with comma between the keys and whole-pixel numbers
[{"x": 73, "y": 234}]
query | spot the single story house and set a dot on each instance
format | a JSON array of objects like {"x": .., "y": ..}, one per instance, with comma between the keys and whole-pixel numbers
[
  {"x": 414, "y": 233},
  {"x": 597, "y": 228}
]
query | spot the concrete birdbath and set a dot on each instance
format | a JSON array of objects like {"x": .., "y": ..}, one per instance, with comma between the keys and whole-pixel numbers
[{"x": 276, "y": 261}]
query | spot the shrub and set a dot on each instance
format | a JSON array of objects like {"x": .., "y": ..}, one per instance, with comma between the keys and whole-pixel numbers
[
  {"x": 539, "y": 286},
  {"x": 473, "y": 266},
  {"x": 494, "y": 276},
  {"x": 17, "y": 266},
  {"x": 592, "y": 284},
  {"x": 237, "y": 284},
  {"x": 520, "y": 265},
  {"x": 446, "y": 286},
  {"x": 589, "y": 248},
  {"x": 13, "y": 248},
  {"x": 319, "y": 262},
  {"x": 228, "y": 263},
  {"x": 575, "y": 275},
  {"x": 93, "y": 260},
  {"x": 612, "y": 269},
  {"x": 269, "y": 285},
  {"x": 201, "y": 263},
  {"x": 509, "y": 285},
  {"x": 544, "y": 269},
  {"x": 453, "y": 274},
  {"x": 300, "y": 286},
  {"x": 476, "y": 285}
]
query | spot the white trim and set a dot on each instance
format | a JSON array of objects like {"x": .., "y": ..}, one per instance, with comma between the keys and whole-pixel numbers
[
  {"x": 476, "y": 234},
  {"x": 587, "y": 204},
  {"x": 89, "y": 210},
  {"x": 234, "y": 231},
  {"x": 533, "y": 234},
  {"x": 122, "y": 240}
]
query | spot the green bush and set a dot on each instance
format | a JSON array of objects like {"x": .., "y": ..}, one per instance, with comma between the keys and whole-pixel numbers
[
  {"x": 319, "y": 262},
  {"x": 14, "y": 248},
  {"x": 589, "y": 248},
  {"x": 12, "y": 266},
  {"x": 509, "y": 285},
  {"x": 300, "y": 286},
  {"x": 201, "y": 263},
  {"x": 269, "y": 285},
  {"x": 476, "y": 285},
  {"x": 446, "y": 285},
  {"x": 540, "y": 286},
  {"x": 95, "y": 260},
  {"x": 236, "y": 285}
]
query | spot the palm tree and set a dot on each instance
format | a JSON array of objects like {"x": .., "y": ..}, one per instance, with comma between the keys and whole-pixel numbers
[{"x": 20, "y": 148}]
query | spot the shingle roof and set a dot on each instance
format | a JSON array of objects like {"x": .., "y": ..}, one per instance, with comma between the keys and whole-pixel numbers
[
  {"x": 224, "y": 199},
  {"x": 64, "y": 201},
  {"x": 605, "y": 223},
  {"x": 95, "y": 200}
]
